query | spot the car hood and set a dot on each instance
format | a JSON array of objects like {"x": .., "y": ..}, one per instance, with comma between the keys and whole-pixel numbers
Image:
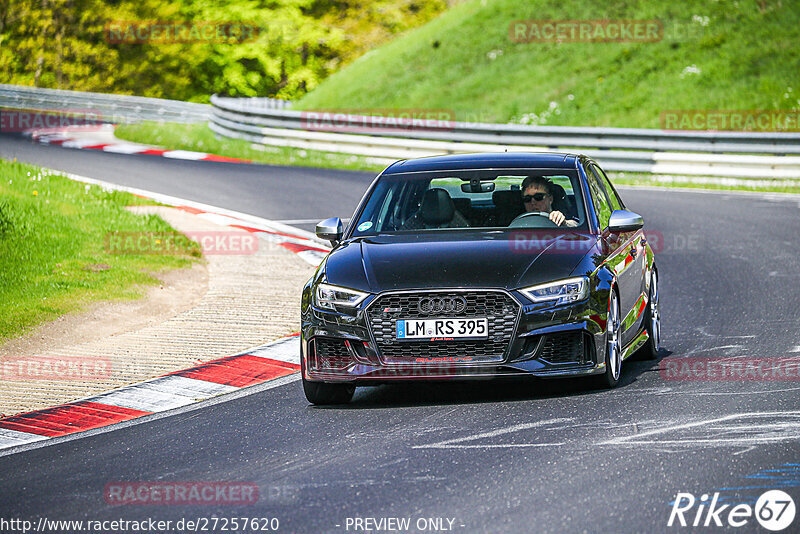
[{"x": 492, "y": 259}]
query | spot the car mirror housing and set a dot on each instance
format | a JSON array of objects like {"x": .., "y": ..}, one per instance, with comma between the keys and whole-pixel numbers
[
  {"x": 330, "y": 229},
  {"x": 476, "y": 186},
  {"x": 624, "y": 221}
]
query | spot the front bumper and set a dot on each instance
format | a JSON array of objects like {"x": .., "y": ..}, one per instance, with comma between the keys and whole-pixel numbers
[{"x": 545, "y": 341}]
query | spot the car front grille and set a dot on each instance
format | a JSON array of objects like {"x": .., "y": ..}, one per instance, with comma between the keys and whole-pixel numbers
[
  {"x": 563, "y": 348},
  {"x": 497, "y": 306}
]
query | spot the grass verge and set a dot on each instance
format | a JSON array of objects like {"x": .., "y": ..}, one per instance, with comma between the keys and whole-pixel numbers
[
  {"x": 471, "y": 60},
  {"x": 200, "y": 138},
  {"x": 703, "y": 182},
  {"x": 52, "y": 247}
]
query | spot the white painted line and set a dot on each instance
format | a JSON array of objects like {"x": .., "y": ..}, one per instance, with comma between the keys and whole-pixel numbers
[
  {"x": 273, "y": 238},
  {"x": 222, "y": 220},
  {"x": 251, "y": 220},
  {"x": 455, "y": 443},
  {"x": 313, "y": 257},
  {"x": 190, "y": 387},
  {"x": 80, "y": 143},
  {"x": 495, "y": 446},
  {"x": 240, "y": 392},
  {"x": 184, "y": 154},
  {"x": 287, "y": 350},
  {"x": 718, "y": 393},
  {"x": 52, "y": 137},
  {"x": 125, "y": 148},
  {"x": 636, "y": 439},
  {"x": 306, "y": 221},
  {"x": 720, "y": 347},
  {"x": 145, "y": 396},
  {"x": 11, "y": 438}
]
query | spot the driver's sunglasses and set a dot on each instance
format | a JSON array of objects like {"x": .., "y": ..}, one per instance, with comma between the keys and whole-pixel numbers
[{"x": 538, "y": 197}]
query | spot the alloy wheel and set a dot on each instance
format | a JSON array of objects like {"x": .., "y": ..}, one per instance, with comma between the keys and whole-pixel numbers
[
  {"x": 612, "y": 337},
  {"x": 655, "y": 314}
]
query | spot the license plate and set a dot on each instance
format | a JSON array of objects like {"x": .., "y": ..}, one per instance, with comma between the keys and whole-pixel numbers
[{"x": 445, "y": 329}]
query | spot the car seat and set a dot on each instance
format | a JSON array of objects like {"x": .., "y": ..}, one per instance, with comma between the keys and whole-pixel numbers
[{"x": 436, "y": 210}]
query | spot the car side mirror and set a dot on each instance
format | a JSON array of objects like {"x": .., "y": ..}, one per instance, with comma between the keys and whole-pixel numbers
[
  {"x": 330, "y": 229},
  {"x": 624, "y": 221}
]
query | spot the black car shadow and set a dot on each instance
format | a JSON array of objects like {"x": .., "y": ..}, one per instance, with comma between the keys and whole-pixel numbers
[{"x": 478, "y": 391}]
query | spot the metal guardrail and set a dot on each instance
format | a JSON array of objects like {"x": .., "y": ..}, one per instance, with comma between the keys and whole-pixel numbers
[
  {"x": 107, "y": 107},
  {"x": 266, "y": 121},
  {"x": 769, "y": 155}
]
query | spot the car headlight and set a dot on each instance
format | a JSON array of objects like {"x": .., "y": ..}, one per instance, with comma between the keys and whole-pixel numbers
[
  {"x": 560, "y": 292},
  {"x": 328, "y": 297}
]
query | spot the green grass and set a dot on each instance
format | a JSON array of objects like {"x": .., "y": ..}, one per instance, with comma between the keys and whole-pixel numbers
[
  {"x": 714, "y": 56},
  {"x": 734, "y": 184},
  {"x": 199, "y": 138},
  {"x": 52, "y": 247}
]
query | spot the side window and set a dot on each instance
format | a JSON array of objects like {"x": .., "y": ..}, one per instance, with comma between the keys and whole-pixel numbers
[
  {"x": 383, "y": 212},
  {"x": 616, "y": 202},
  {"x": 599, "y": 199}
]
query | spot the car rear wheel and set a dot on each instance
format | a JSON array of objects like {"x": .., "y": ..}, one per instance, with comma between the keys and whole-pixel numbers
[
  {"x": 613, "y": 360},
  {"x": 652, "y": 322},
  {"x": 321, "y": 393}
]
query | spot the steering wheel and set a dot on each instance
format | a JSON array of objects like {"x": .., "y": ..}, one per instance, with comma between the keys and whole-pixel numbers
[{"x": 524, "y": 218}]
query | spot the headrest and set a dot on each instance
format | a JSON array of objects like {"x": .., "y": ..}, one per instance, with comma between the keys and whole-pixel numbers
[
  {"x": 558, "y": 193},
  {"x": 508, "y": 200},
  {"x": 437, "y": 206}
]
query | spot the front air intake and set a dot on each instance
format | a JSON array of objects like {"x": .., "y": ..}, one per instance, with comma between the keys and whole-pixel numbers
[{"x": 330, "y": 353}]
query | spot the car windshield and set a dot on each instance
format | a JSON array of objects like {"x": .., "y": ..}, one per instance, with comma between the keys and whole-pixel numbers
[{"x": 476, "y": 200}]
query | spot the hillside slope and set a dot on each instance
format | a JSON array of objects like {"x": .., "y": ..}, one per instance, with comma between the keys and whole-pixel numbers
[{"x": 710, "y": 56}]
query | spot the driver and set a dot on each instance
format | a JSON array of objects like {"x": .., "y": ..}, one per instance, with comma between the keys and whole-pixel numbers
[{"x": 537, "y": 195}]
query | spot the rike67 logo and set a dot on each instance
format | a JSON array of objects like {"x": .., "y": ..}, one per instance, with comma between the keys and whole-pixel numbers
[{"x": 774, "y": 510}]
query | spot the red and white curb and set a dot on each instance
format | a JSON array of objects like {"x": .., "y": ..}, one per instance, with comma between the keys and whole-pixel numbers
[
  {"x": 305, "y": 245},
  {"x": 102, "y": 138},
  {"x": 269, "y": 362},
  {"x": 309, "y": 251}
]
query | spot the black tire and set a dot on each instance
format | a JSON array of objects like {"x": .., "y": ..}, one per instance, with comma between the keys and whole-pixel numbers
[
  {"x": 649, "y": 350},
  {"x": 320, "y": 393},
  {"x": 610, "y": 378}
]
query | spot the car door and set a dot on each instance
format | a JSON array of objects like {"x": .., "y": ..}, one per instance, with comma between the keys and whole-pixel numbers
[
  {"x": 634, "y": 261},
  {"x": 620, "y": 259}
]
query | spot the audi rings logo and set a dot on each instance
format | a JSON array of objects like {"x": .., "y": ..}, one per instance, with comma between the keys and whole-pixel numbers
[{"x": 431, "y": 305}]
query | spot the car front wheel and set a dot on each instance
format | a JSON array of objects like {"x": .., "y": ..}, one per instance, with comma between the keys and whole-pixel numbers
[
  {"x": 613, "y": 359},
  {"x": 652, "y": 321}
]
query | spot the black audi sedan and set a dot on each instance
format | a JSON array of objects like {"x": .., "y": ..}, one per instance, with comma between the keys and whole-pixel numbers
[{"x": 480, "y": 266}]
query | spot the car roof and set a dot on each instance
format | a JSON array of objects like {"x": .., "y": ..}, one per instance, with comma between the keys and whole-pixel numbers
[{"x": 491, "y": 160}]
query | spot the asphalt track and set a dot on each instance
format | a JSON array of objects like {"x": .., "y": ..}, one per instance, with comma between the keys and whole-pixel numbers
[{"x": 530, "y": 456}]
